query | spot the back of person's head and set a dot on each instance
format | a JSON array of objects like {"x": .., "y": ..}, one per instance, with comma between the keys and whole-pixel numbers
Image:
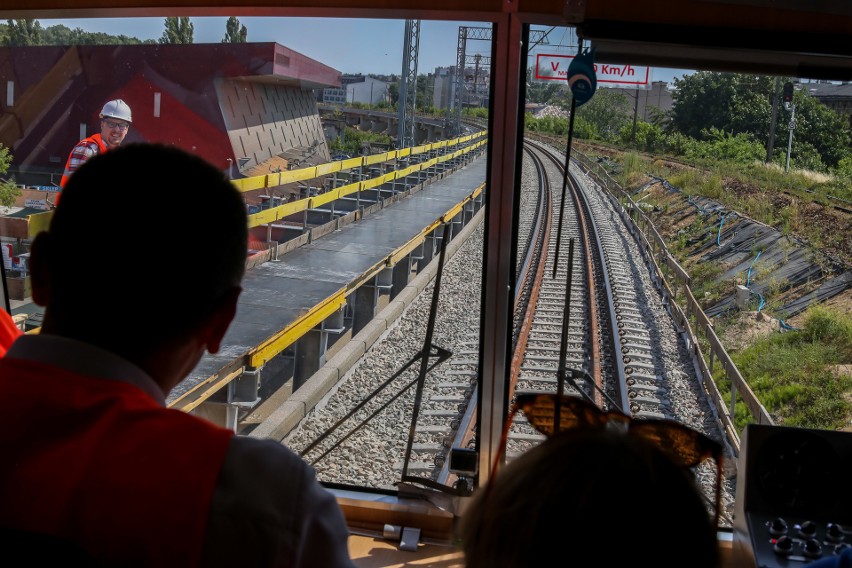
[
  {"x": 146, "y": 240},
  {"x": 590, "y": 498}
]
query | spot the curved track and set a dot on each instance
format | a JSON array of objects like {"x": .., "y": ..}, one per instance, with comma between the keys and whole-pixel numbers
[{"x": 617, "y": 332}]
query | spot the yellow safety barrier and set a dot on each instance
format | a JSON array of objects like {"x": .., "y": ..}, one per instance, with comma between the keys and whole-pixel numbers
[
  {"x": 324, "y": 198},
  {"x": 351, "y": 188},
  {"x": 264, "y": 352},
  {"x": 286, "y": 337},
  {"x": 406, "y": 249},
  {"x": 271, "y": 180},
  {"x": 274, "y": 214},
  {"x": 351, "y": 163},
  {"x": 202, "y": 391},
  {"x": 376, "y": 159}
]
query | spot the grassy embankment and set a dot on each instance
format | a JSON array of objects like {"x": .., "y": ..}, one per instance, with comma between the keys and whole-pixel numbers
[{"x": 803, "y": 376}]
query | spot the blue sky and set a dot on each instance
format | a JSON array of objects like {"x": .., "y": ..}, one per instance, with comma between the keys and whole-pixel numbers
[{"x": 348, "y": 45}]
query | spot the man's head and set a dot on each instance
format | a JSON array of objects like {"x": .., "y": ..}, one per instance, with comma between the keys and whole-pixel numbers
[
  {"x": 115, "y": 122},
  {"x": 147, "y": 242},
  {"x": 597, "y": 497}
]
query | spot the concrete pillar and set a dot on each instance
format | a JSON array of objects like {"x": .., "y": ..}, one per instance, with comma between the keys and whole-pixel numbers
[
  {"x": 364, "y": 306},
  {"x": 469, "y": 211},
  {"x": 416, "y": 258},
  {"x": 225, "y": 406},
  {"x": 222, "y": 415},
  {"x": 401, "y": 275},
  {"x": 310, "y": 349}
]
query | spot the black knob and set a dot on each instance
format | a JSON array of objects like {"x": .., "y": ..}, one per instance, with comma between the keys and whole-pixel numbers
[
  {"x": 808, "y": 529},
  {"x": 813, "y": 548},
  {"x": 838, "y": 549},
  {"x": 778, "y": 527},
  {"x": 834, "y": 532},
  {"x": 783, "y": 545}
]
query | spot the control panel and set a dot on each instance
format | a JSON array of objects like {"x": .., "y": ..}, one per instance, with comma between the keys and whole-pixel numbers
[{"x": 794, "y": 496}]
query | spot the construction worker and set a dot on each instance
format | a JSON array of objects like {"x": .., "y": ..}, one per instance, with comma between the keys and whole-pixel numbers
[
  {"x": 115, "y": 122},
  {"x": 94, "y": 464}
]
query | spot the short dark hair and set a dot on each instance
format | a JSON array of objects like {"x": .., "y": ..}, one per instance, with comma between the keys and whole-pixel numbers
[
  {"x": 145, "y": 236},
  {"x": 590, "y": 497}
]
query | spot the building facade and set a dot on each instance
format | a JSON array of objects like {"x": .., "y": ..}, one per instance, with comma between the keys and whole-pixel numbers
[
  {"x": 362, "y": 89},
  {"x": 237, "y": 105}
]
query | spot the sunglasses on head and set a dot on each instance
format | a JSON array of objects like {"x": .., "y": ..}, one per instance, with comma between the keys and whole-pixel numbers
[{"x": 551, "y": 413}]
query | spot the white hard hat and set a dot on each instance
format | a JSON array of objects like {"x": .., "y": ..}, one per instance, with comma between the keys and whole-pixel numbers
[{"x": 117, "y": 109}]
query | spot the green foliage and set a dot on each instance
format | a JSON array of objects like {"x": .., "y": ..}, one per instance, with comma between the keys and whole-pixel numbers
[
  {"x": 585, "y": 130},
  {"x": 63, "y": 35},
  {"x": 23, "y": 32},
  {"x": 354, "y": 140},
  {"x": 806, "y": 157},
  {"x": 234, "y": 33},
  {"x": 707, "y": 102},
  {"x": 178, "y": 30},
  {"x": 546, "y": 124},
  {"x": 721, "y": 146},
  {"x": 393, "y": 92},
  {"x": 818, "y": 128},
  {"x": 679, "y": 144},
  {"x": 8, "y": 190},
  {"x": 424, "y": 92},
  {"x": 822, "y": 325},
  {"x": 723, "y": 101},
  {"x": 648, "y": 137},
  {"x": 480, "y": 113},
  {"x": 606, "y": 113},
  {"x": 844, "y": 167},
  {"x": 792, "y": 373},
  {"x": 545, "y": 92},
  {"x": 633, "y": 163}
]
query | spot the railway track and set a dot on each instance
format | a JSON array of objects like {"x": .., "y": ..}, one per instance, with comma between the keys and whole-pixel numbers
[{"x": 617, "y": 333}]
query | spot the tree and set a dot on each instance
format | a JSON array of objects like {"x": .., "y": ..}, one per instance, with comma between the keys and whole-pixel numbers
[
  {"x": 706, "y": 102},
  {"x": 728, "y": 102},
  {"x": 233, "y": 32},
  {"x": 819, "y": 127},
  {"x": 23, "y": 32},
  {"x": 178, "y": 30},
  {"x": 393, "y": 92},
  {"x": 63, "y": 35},
  {"x": 8, "y": 190},
  {"x": 605, "y": 114},
  {"x": 647, "y": 137},
  {"x": 725, "y": 101},
  {"x": 544, "y": 92}
]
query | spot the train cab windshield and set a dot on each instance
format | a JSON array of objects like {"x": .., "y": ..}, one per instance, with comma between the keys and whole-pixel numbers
[{"x": 468, "y": 233}]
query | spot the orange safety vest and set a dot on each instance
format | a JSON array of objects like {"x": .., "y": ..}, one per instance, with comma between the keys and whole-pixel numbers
[
  {"x": 9, "y": 332},
  {"x": 66, "y": 173},
  {"x": 99, "y": 463}
]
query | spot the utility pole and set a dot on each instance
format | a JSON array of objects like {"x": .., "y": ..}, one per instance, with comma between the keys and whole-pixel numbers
[
  {"x": 408, "y": 85},
  {"x": 773, "y": 121},
  {"x": 635, "y": 113},
  {"x": 792, "y": 126},
  {"x": 476, "y": 58},
  {"x": 791, "y": 106}
]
